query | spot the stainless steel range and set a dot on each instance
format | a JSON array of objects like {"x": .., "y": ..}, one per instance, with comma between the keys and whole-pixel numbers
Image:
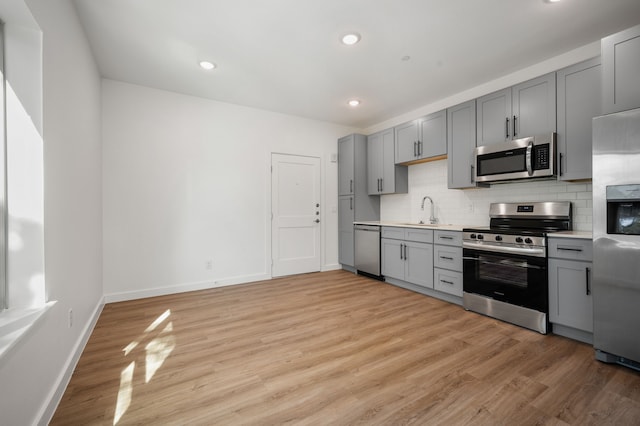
[{"x": 505, "y": 265}]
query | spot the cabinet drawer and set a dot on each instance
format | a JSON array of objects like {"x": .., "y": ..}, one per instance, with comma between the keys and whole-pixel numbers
[
  {"x": 448, "y": 281},
  {"x": 449, "y": 238},
  {"x": 571, "y": 248},
  {"x": 419, "y": 235},
  {"x": 392, "y": 232},
  {"x": 447, "y": 257}
]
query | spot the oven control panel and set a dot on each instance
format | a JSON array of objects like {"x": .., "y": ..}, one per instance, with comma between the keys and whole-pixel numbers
[{"x": 504, "y": 239}]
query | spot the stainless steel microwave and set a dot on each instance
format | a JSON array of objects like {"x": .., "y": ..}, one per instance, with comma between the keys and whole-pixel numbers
[{"x": 526, "y": 158}]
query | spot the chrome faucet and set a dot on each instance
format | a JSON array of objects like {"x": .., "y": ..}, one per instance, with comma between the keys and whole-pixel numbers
[{"x": 432, "y": 218}]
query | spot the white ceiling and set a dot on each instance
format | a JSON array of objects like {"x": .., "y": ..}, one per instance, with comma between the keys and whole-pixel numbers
[{"x": 285, "y": 55}]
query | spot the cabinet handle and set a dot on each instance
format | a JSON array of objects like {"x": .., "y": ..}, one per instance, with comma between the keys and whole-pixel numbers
[
  {"x": 381, "y": 184},
  {"x": 515, "y": 132},
  {"x": 507, "y": 128},
  {"x": 419, "y": 148},
  {"x": 570, "y": 249},
  {"x": 444, "y": 237},
  {"x": 447, "y": 282},
  {"x": 405, "y": 252},
  {"x": 415, "y": 148},
  {"x": 588, "y": 271},
  {"x": 446, "y": 258},
  {"x": 401, "y": 258},
  {"x": 350, "y": 203},
  {"x": 560, "y": 164},
  {"x": 473, "y": 175},
  {"x": 351, "y": 185}
]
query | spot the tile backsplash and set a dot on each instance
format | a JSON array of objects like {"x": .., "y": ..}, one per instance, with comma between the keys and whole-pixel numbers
[{"x": 471, "y": 206}]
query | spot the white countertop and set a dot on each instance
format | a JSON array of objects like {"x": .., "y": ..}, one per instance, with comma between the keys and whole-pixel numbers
[
  {"x": 444, "y": 227},
  {"x": 585, "y": 235}
]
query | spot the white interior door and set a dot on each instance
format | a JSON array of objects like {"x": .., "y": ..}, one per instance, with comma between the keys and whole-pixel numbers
[{"x": 295, "y": 205}]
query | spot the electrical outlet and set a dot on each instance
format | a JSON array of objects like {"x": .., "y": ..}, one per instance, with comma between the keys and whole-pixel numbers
[
  {"x": 208, "y": 265},
  {"x": 70, "y": 318}
]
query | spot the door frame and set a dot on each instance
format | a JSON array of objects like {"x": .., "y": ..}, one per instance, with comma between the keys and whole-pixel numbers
[{"x": 269, "y": 217}]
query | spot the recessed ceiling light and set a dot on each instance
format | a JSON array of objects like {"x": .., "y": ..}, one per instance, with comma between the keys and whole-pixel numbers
[
  {"x": 350, "y": 39},
  {"x": 207, "y": 65},
  {"x": 552, "y": 1},
  {"x": 354, "y": 102}
]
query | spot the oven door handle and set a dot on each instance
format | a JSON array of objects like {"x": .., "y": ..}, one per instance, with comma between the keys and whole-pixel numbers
[
  {"x": 527, "y": 251},
  {"x": 504, "y": 263}
]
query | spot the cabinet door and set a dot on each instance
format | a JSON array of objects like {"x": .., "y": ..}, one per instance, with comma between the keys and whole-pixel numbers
[
  {"x": 346, "y": 146},
  {"x": 375, "y": 152},
  {"x": 419, "y": 264},
  {"x": 461, "y": 141},
  {"x": 433, "y": 135},
  {"x": 494, "y": 118},
  {"x": 406, "y": 142},
  {"x": 346, "y": 216},
  {"x": 534, "y": 107},
  {"x": 570, "y": 301},
  {"x": 392, "y": 253},
  {"x": 621, "y": 71},
  {"x": 388, "y": 185},
  {"x": 579, "y": 100}
]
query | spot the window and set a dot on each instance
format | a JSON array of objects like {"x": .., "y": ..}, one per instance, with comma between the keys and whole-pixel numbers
[{"x": 3, "y": 180}]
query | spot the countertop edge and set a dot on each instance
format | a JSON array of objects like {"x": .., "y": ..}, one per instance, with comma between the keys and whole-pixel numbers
[{"x": 410, "y": 225}]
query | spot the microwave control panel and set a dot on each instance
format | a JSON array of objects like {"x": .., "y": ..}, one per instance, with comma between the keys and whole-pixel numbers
[{"x": 541, "y": 157}]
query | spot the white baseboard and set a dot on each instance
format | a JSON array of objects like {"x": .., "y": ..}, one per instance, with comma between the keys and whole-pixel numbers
[
  {"x": 331, "y": 267},
  {"x": 182, "y": 288},
  {"x": 65, "y": 375}
]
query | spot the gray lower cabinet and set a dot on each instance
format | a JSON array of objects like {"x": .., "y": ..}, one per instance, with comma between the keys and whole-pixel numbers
[
  {"x": 354, "y": 202},
  {"x": 570, "y": 300},
  {"x": 425, "y": 137},
  {"x": 447, "y": 262},
  {"x": 526, "y": 109},
  {"x": 579, "y": 101},
  {"x": 383, "y": 175},
  {"x": 621, "y": 71},
  {"x": 461, "y": 141},
  {"x": 407, "y": 255}
]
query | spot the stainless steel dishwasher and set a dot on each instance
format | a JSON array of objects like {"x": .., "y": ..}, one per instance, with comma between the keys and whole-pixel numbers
[{"x": 367, "y": 253}]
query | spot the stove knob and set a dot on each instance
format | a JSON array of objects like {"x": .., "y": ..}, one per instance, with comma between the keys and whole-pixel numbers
[
  {"x": 472, "y": 236},
  {"x": 528, "y": 240},
  {"x": 498, "y": 238},
  {"x": 518, "y": 239},
  {"x": 480, "y": 237}
]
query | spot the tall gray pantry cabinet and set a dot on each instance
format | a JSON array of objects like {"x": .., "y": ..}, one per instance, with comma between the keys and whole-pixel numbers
[{"x": 354, "y": 202}]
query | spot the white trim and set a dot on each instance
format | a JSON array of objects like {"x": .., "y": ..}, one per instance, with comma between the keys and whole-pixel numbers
[
  {"x": 15, "y": 323},
  {"x": 182, "y": 288},
  {"x": 331, "y": 267},
  {"x": 48, "y": 409}
]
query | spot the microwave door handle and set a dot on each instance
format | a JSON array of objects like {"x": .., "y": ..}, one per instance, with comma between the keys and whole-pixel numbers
[{"x": 529, "y": 158}]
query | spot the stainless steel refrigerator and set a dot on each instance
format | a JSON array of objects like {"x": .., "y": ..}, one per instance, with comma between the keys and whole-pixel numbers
[{"x": 616, "y": 238}]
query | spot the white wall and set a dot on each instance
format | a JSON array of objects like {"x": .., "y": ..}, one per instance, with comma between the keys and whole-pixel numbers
[
  {"x": 471, "y": 207},
  {"x": 187, "y": 180},
  {"x": 34, "y": 372}
]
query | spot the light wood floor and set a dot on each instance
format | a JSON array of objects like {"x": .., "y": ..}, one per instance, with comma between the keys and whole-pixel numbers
[{"x": 334, "y": 348}]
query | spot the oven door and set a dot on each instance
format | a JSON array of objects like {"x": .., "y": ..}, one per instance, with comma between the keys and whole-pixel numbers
[{"x": 511, "y": 278}]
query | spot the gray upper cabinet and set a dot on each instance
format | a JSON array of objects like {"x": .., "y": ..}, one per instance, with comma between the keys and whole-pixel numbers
[
  {"x": 494, "y": 117},
  {"x": 534, "y": 106},
  {"x": 621, "y": 71},
  {"x": 520, "y": 111},
  {"x": 579, "y": 100},
  {"x": 383, "y": 175},
  {"x": 423, "y": 138},
  {"x": 461, "y": 141},
  {"x": 345, "y": 164}
]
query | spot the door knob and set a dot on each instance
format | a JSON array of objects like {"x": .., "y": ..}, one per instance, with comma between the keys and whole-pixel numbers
[{"x": 317, "y": 221}]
